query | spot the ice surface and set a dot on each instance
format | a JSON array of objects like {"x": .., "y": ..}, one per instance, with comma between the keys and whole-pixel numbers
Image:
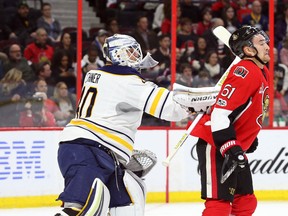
[{"x": 173, "y": 209}]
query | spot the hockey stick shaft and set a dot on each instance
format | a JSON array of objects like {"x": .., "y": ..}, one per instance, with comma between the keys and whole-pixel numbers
[
  {"x": 222, "y": 34},
  {"x": 166, "y": 162}
]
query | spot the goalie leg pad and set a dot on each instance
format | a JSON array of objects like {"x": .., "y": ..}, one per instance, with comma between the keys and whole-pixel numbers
[
  {"x": 125, "y": 211},
  {"x": 136, "y": 189},
  {"x": 97, "y": 203}
]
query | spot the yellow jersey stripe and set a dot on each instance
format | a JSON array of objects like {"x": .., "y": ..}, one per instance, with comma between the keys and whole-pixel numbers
[
  {"x": 93, "y": 127},
  {"x": 156, "y": 101}
]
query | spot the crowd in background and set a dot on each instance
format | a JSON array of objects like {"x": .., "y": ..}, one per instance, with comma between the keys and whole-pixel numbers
[{"x": 38, "y": 57}]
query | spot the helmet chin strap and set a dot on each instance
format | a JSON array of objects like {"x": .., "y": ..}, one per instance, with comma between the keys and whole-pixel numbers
[{"x": 257, "y": 57}]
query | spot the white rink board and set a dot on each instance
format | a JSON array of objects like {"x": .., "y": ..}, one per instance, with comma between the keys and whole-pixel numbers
[{"x": 29, "y": 162}]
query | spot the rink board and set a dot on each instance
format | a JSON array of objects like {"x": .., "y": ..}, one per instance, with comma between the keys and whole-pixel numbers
[{"x": 29, "y": 174}]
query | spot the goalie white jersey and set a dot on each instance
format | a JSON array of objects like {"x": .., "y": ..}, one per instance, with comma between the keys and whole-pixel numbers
[{"x": 112, "y": 103}]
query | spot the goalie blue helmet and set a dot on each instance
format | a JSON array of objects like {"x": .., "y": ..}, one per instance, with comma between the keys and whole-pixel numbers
[{"x": 123, "y": 50}]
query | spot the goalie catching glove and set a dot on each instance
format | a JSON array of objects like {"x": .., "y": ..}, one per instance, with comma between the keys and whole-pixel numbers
[
  {"x": 194, "y": 99},
  {"x": 141, "y": 162}
]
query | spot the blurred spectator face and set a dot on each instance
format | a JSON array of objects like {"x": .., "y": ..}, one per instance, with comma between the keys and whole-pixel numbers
[
  {"x": 143, "y": 24},
  {"x": 92, "y": 55},
  {"x": 165, "y": 42},
  {"x": 242, "y": 3},
  {"x": 187, "y": 72},
  {"x": 63, "y": 90},
  {"x": 46, "y": 11},
  {"x": 178, "y": 54},
  {"x": 42, "y": 36},
  {"x": 66, "y": 39},
  {"x": 275, "y": 52},
  {"x": 256, "y": 7},
  {"x": 230, "y": 13},
  {"x": 46, "y": 72},
  {"x": 207, "y": 16},
  {"x": 23, "y": 11},
  {"x": 41, "y": 86},
  {"x": 277, "y": 107},
  {"x": 114, "y": 27},
  {"x": 213, "y": 59},
  {"x": 202, "y": 43},
  {"x": 15, "y": 52},
  {"x": 65, "y": 61},
  {"x": 187, "y": 27}
]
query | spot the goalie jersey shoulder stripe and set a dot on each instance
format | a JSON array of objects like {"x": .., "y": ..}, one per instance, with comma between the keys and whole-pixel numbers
[{"x": 111, "y": 108}]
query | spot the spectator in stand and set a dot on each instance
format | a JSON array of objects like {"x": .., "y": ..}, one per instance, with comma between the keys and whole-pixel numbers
[
  {"x": 91, "y": 61},
  {"x": 112, "y": 26},
  {"x": 205, "y": 22},
  {"x": 185, "y": 77},
  {"x": 66, "y": 44},
  {"x": 202, "y": 80},
  {"x": 281, "y": 73},
  {"x": 16, "y": 60},
  {"x": 12, "y": 91},
  {"x": 39, "y": 50},
  {"x": 22, "y": 26},
  {"x": 162, "y": 54},
  {"x": 35, "y": 115},
  {"x": 213, "y": 43},
  {"x": 243, "y": 9},
  {"x": 212, "y": 65},
  {"x": 166, "y": 23},
  {"x": 283, "y": 53},
  {"x": 277, "y": 93},
  {"x": 63, "y": 71},
  {"x": 218, "y": 6},
  {"x": 3, "y": 60},
  {"x": 44, "y": 72},
  {"x": 158, "y": 17},
  {"x": 197, "y": 57},
  {"x": 186, "y": 38},
  {"x": 49, "y": 23},
  {"x": 280, "y": 118},
  {"x": 41, "y": 90},
  {"x": 99, "y": 41},
  {"x": 190, "y": 10},
  {"x": 231, "y": 22},
  {"x": 66, "y": 103},
  {"x": 146, "y": 38},
  {"x": 281, "y": 27},
  {"x": 256, "y": 18}
]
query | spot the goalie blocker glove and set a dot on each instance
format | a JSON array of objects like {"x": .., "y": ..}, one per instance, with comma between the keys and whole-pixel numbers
[{"x": 235, "y": 153}]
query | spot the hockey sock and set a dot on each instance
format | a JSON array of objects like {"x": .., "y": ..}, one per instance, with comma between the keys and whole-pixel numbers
[
  {"x": 215, "y": 207},
  {"x": 244, "y": 205}
]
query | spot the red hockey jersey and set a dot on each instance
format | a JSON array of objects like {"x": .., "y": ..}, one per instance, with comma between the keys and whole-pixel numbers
[{"x": 240, "y": 107}]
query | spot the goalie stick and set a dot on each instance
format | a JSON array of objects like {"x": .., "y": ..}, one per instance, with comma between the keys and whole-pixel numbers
[{"x": 222, "y": 34}]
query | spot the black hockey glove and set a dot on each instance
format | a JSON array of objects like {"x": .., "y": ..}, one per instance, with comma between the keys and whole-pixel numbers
[
  {"x": 253, "y": 146},
  {"x": 236, "y": 154}
]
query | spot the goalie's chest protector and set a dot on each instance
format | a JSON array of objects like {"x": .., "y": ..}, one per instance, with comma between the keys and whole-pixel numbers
[{"x": 241, "y": 104}]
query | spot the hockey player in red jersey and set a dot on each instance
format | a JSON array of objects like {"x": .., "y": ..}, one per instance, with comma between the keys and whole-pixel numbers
[{"x": 230, "y": 130}]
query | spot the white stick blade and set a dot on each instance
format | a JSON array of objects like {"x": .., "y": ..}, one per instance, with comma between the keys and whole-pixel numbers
[{"x": 223, "y": 34}]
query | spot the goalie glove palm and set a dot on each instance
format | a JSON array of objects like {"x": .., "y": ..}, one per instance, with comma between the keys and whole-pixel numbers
[{"x": 236, "y": 154}]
